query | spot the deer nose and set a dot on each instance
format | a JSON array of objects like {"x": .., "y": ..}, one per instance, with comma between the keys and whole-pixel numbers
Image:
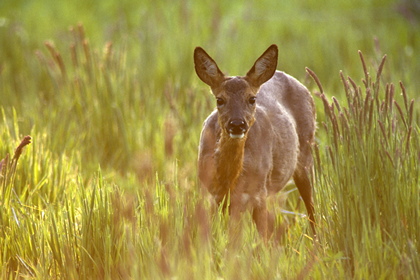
[{"x": 237, "y": 128}]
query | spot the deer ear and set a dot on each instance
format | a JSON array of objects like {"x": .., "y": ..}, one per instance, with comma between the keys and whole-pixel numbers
[
  {"x": 264, "y": 67},
  {"x": 206, "y": 68}
]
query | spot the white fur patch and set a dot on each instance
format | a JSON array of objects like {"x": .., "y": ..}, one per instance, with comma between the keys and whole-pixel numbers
[
  {"x": 211, "y": 69},
  {"x": 245, "y": 198},
  {"x": 237, "y": 136}
]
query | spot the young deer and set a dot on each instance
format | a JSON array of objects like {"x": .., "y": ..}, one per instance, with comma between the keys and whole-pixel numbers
[{"x": 259, "y": 137}]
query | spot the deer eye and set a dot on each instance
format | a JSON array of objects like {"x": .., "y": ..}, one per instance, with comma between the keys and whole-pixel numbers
[
  {"x": 252, "y": 100},
  {"x": 220, "y": 101}
]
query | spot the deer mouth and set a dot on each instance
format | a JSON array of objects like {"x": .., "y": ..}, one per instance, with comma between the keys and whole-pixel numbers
[
  {"x": 237, "y": 129},
  {"x": 237, "y": 136}
]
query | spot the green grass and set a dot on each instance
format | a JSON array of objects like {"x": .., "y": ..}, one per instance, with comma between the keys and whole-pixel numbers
[{"x": 108, "y": 190}]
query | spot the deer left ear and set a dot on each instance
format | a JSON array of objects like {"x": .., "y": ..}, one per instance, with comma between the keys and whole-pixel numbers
[
  {"x": 207, "y": 69},
  {"x": 264, "y": 67}
]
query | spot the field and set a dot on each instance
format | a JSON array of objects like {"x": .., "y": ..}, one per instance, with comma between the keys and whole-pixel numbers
[{"x": 108, "y": 188}]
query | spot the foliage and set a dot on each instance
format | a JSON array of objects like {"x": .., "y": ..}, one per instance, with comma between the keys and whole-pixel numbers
[{"x": 107, "y": 189}]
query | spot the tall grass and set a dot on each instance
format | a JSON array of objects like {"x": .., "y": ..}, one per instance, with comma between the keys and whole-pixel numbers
[
  {"x": 369, "y": 175},
  {"x": 107, "y": 189}
]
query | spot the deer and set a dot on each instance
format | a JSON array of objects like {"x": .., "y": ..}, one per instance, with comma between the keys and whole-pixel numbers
[{"x": 257, "y": 139}]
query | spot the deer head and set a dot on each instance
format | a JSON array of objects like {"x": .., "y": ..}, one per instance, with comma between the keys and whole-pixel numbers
[{"x": 236, "y": 96}]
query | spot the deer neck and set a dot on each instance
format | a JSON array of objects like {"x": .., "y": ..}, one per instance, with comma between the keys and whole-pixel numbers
[{"x": 229, "y": 159}]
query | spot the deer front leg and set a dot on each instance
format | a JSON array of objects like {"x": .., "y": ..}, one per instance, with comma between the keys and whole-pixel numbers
[{"x": 264, "y": 220}]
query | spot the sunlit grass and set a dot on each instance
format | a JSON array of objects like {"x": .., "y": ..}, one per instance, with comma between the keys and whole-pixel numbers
[
  {"x": 107, "y": 189},
  {"x": 370, "y": 176}
]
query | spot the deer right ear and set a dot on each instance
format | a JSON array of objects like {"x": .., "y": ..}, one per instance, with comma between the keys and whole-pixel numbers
[
  {"x": 264, "y": 68},
  {"x": 206, "y": 68}
]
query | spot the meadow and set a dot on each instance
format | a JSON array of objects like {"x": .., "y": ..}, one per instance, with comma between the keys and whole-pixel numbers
[{"x": 108, "y": 189}]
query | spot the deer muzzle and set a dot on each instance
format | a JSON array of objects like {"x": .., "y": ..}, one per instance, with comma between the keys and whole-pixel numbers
[{"x": 237, "y": 128}]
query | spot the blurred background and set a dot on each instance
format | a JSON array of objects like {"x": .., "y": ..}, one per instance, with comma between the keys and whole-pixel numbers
[
  {"x": 108, "y": 92},
  {"x": 115, "y": 79}
]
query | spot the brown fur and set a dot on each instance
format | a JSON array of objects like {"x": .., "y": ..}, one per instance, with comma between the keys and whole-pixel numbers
[
  {"x": 229, "y": 157},
  {"x": 251, "y": 149}
]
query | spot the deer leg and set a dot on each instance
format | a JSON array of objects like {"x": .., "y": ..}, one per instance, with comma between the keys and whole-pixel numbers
[
  {"x": 264, "y": 221},
  {"x": 304, "y": 186}
]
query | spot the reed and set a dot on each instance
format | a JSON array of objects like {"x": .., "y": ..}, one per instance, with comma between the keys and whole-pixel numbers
[
  {"x": 108, "y": 187},
  {"x": 369, "y": 176}
]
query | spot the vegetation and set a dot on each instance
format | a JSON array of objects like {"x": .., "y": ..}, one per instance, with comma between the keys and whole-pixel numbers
[{"x": 107, "y": 189}]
